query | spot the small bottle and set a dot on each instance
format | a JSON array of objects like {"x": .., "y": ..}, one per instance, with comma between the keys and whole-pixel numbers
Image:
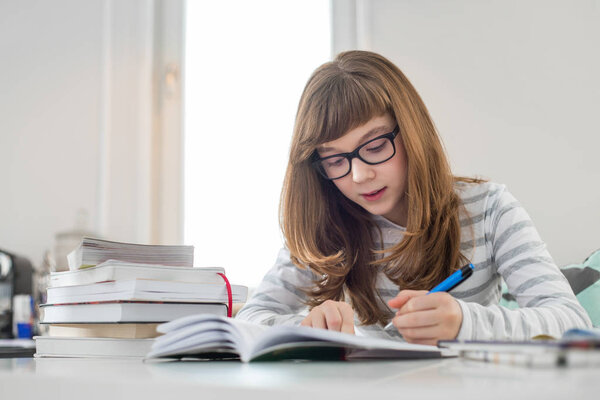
[{"x": 22, "y": 316}]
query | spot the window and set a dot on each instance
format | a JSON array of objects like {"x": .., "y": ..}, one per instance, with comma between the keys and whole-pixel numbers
[{"x": 246, "y": 66}]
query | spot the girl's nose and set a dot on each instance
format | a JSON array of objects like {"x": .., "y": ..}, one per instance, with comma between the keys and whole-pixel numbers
[{"x": 361, "y": 171}]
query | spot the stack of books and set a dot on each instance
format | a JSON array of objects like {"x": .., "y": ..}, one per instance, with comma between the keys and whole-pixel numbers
[{"x": 112, "y": 308}]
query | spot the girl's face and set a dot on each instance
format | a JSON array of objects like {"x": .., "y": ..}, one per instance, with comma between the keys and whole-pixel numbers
[{"x": 380, "y": 189}]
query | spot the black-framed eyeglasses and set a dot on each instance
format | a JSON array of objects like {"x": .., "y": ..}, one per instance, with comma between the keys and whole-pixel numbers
[{"x": 375, "y": 151}]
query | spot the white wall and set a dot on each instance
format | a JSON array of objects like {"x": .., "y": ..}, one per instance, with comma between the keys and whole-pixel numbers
[
  {"x": 514, "y": 89},
  {"x": 50, "y": 117},
  {"x": 512, "y": 85},
  {"x": 81, "y": 124}
]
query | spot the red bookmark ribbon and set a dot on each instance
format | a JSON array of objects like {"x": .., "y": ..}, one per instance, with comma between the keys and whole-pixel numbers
[{"x": 229, "y": 294}]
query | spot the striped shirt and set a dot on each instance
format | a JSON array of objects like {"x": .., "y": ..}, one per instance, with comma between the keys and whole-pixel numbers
[{"x": 500, "y": 240}]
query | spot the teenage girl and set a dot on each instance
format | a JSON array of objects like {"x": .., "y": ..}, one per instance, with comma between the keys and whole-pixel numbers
[{"x": 373, "y": 218}]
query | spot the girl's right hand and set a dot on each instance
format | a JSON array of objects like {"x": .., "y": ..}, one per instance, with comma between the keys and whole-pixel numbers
[{"x": 332, "y": 315}]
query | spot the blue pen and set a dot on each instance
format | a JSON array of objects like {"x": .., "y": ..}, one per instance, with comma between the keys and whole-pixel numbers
[
  {"x": 454, "y": 280},
  {"x": 450, "y": 282}
]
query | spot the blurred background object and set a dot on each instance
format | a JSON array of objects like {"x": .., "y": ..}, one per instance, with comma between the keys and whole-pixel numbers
[
  {"x": 15, "y": 279},
  {"x": 23, "y": 316},
  {"x": 67, "y": 241}
]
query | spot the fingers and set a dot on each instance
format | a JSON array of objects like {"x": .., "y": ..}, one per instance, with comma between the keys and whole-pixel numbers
[
  {"x": 420, "y": 333},
  {"x": 421, "y": 302},
  {"x": 418, "y": 326},
  {"x": 426, "y": 334},
  {"x": 422, "y": 327},
  {"x": 315, "y": 319},
  {"x": 403, "y": 296},
  {"x": 427, "y": 319},
  {"x": 347, "y": 319},
  {"x": 332, "y": 315},
  {"x": 417, "y": 319}
]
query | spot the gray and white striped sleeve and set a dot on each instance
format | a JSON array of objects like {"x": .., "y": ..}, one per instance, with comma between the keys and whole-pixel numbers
[
  {"x": 547, "y": 304},
  {"x": 279, "y": 299}
]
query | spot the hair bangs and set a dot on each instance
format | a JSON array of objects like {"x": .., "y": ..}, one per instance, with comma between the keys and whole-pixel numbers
[{"x": 352, "y": 102}]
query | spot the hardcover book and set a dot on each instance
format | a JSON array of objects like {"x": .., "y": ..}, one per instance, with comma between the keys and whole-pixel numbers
[
  {"x": 125, "y": 312},
  {"x": 92, "y": 251},
  {"x": 91, "y": 347},
  {"x": 114, "y": 270},
  {"x": 146, "y": 290},
  {"x": 119, "y": 331}
]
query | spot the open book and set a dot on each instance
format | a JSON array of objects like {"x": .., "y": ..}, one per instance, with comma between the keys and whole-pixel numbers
[{"x": 213, "y": 337}]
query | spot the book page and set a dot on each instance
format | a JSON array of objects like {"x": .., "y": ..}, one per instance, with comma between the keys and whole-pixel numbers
[
  {"x": 281, "y": 336},
  {"x": 205, "y": 333}
]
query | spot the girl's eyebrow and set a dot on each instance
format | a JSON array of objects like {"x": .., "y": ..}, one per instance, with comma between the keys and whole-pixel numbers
[{"x": 378, "y": 130}]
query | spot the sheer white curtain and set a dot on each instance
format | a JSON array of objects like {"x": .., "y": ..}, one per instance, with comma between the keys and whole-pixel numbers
[{"x": 246, "y": 65}]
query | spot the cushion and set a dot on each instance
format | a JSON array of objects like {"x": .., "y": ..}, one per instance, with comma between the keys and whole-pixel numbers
[{"x": 584, "y": 279}]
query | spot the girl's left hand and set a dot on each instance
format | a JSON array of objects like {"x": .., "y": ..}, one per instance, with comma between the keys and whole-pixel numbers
[{"x": 426, "y": 318}]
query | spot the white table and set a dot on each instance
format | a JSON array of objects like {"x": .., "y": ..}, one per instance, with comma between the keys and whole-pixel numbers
[{"x": 111, "y": 379}]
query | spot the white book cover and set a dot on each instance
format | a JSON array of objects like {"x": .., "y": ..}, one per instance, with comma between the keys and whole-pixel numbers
[
  {"x": 91, "y": 347},
  {"x": 114, "y": 270},
  {"x": 125, "y": 312},
  {"x": 146, "y": 290}
]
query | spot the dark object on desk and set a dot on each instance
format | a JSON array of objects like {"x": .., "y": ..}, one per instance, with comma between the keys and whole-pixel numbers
[
  {"x": 10, "y": 348},
  {"x": 15, "y": 278},
  {"x": 16, "y": 352}
]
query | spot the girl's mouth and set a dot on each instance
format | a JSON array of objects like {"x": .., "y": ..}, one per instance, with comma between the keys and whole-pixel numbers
[{"x": 374, "y": 195}]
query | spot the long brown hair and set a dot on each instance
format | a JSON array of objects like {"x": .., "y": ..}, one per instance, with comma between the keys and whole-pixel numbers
[{"x": 332, "y": 235}]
